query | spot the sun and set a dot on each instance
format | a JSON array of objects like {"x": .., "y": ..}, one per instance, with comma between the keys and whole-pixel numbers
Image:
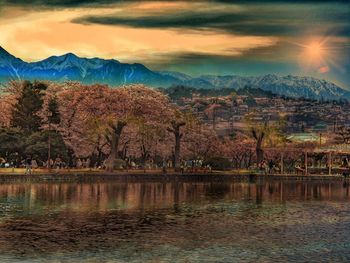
[
  {"x": 315, "y": 51},
  {"x": 315, "y": 56}
]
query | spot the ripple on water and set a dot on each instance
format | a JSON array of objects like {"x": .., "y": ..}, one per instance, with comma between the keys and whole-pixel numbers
[{"x": 197, "y": 222}]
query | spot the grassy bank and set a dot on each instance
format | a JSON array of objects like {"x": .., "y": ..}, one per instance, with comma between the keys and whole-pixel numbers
[{"x": 77, "y": 175}]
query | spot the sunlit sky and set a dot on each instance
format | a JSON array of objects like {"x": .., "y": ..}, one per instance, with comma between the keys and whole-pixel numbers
[{"x": 194, "y": 37}]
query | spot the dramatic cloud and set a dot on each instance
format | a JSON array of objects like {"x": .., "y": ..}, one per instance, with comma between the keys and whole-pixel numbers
[
  {"x": 58, "y": 3},
  {"x": 252, "y": 20},
  {"x": 79, "y": 3},
  {"x": 199, "y": 37}
]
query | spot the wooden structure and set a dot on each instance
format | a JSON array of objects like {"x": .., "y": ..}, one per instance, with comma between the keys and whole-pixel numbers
[
  {"x": 330, "y": 159},
  {"x": 334, "y": 151}
]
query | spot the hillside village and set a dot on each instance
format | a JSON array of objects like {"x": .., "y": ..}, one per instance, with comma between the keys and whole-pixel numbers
[{"x": 303, "y": 119}]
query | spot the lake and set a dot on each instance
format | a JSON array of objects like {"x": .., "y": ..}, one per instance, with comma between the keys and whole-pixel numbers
[{"x": 140, "y": 221}]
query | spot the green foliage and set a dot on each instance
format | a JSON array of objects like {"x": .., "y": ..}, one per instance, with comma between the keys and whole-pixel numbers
[
  {"x": 25, "y": 137},
  {"x": 55, "y": 117},
  {"x": 250, "y": 101},
  {"x": 255, "y": 92},
  {"x": 233, "y": 135},
  {"x": 310, "y": 117},
  {"x": 12, "y": 141},
  {"x": 24, "y": 115},
  {"x": 37, "y": 146},
  {"x": 178, "y": 92},
  {"x": 218, "y": 163}
]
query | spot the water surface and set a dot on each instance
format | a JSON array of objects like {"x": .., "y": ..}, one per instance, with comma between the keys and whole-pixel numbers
[{"x": 274, "y": 221}]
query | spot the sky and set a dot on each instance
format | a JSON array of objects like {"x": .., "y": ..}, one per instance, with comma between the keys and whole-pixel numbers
[{"x": 221, "y": 37}]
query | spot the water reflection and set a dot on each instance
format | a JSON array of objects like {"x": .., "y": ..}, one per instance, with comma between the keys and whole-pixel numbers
[
  {"x": 105, "y": 196},
  {"x": 168, "y": 222}
]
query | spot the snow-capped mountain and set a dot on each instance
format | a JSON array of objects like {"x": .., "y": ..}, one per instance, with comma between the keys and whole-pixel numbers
[
  {"x": 86, "y": 70},
  {"x": 114, "y": 73},
  {"x": 10, "y": 66},
  {"x": 291, "y": 86}
]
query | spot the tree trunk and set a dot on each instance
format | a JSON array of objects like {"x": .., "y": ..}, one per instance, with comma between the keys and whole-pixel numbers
[
  {"x": 259, "y": 155},
  {"x": 124, "y": 151},
  {"x": 177, "y": 149},
  {"x": 175, "y": 129},
  {"x": 144, "y": 154},
  {"x": 259, "y": 152},
  {"x": 99, "y": 157},
  {"x": 113, "y": 156},
  {"x": 259, "y": 137}
]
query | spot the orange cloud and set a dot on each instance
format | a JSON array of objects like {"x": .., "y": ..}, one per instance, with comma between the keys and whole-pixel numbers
[{"x": 37, "y": 35}]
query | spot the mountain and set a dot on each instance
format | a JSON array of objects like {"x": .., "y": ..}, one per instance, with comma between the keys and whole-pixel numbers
[
  {"x": 291, "y": 86},
  {"x": 114, "y": 73},
  {"x": 86, "y": 70},
  {"x": 10, "y": 66}
]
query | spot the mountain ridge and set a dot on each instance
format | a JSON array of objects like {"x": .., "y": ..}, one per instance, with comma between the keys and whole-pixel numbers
[{"x": 113, "y": 72}]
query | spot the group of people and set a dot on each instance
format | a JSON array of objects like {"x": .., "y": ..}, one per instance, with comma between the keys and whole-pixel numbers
[
  {"x": 83, "y": 163},
  {"x": 30, "y": 164},
  {"x": 268, "y": 167},
  {"x": 194, "y": 166}
]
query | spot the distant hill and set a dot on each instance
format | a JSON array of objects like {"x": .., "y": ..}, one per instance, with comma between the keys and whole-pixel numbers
[
  {"x": 178, "y": 92},
  {"x": 115, "y": 73}
]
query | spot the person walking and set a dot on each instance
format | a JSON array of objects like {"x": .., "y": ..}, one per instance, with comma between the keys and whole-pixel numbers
[
  {"x": 58, "y": 163},
  {"x": 79, "y": 164},
  {"x": 34, "y": 164},
  {"x": 182, "y": 167},
  {"x": 28, "y": 165},
  {"x": 164, "y": 169}
]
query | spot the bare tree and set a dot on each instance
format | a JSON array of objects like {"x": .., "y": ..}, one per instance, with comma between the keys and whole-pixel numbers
[{"x": 258, "y": 135}]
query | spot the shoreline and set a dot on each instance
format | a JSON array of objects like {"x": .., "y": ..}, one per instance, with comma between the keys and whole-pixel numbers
[{"x": 157, "y": 176}]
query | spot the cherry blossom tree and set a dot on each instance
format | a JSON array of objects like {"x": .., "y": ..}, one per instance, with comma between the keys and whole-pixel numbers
[
  {"x": 115, "y": 109},
  {"x": 6, "y": 105},
  {"x": 240, "y": 149},
  {"x": 200, "y": 141}
]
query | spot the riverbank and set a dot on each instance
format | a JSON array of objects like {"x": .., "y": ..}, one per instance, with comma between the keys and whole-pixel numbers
[{"x": 78, "y": 175}]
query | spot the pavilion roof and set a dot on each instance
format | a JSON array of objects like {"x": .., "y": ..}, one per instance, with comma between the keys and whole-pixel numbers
[{"x": 303, "y": 137}]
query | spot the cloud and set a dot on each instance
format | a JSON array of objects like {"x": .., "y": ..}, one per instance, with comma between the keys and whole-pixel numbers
[
  {"x": 263, "y": 20},
  {"x": 47, "y": 33},
  {"x": 256, "y": 17},
  {"x": 57, "y": 3},
  {"x": 204, "y": 36},
  {"x": 80, "y": 3},
  {"x": 281, "y": 1}
]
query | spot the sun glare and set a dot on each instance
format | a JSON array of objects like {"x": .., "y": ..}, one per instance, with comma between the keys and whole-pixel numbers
[
  {"x": 316, "y": 56},
  {"x": 315, "y": 50}
]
